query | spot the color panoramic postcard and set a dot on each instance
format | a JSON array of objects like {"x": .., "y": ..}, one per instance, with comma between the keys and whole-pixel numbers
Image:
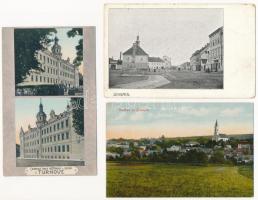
[
  {"x": 165, "y": 48},
  {"x": 180, "y": 149},
  {"x": 48, "y": 61},
  {"x": 49, "y": 132}
]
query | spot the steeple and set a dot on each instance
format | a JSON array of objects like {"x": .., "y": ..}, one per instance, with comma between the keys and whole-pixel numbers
[
  {"x": 138, "y": 40},
  {"x": 41, "y": 116},
  {"x": 21, "y": 131},
  {"x": 216, "y": 128},
  {"x": 56, "y": 49}
]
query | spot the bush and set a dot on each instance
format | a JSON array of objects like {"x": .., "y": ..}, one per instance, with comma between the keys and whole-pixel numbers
[{"x": 38, "y": 90}]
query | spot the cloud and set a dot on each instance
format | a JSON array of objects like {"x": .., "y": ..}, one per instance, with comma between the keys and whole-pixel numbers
[
  {"x": 230, "y": 112},
  {"x": 186, "y": 110},
  {"x": 136, "y": 116}
]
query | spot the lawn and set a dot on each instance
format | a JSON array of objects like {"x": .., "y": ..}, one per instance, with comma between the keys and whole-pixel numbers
[
  {"x": 178, "y": 180},
  {"x": 193, "y": 80}
]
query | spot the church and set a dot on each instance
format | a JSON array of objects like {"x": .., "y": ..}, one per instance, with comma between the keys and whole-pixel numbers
[
  {"x": 55, "y": 70},
  {"x": 52, "y": 139},
  {"x": 219, "y": 136},
  {"x": 135, "y": 58}
]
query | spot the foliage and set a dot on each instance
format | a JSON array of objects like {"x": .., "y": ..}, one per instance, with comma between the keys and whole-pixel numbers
[
  {"x": 26, "y": 44},
  {"x": 17, "y": 150},
  {"x": 176, "y": 180},
  {"x": 194, "y": 156},
  {"x": 79, "y": 48},
  {"x": 78, "y": 115},
  {"x": 40, "y": 90},
  {"x": 217, "y": 157},
  {"x": 118, "y": 150}
]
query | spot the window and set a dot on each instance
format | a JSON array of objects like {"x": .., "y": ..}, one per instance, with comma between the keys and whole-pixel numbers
[
  {"x": 63, "y": 148},
  {"x": 67, "y": 148},
  {"x": 55, "y": 148},
  {"x": 67, "y": 135},
  {"x": 44, "y": 79},
  {"x": 50, "y": 129},
  {"x": 50, "y": 138},
  {"x": 62, "y": 124},
  {"x": 54, "y": 127},
  {"x": 54, "y": 138},
  {"x": 62, "y": 136},
  {"x": 40, "y": 79},
  {"x": 58, "y": 137},
  {"x": 36, "y": 78},
  {"x": 66, "y": 123},
  {"x": 58, "y": 126},
  {"x": 59, "y": 148}
]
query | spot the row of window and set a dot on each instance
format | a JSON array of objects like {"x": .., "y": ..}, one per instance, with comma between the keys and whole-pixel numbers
[
  {"x": 58, "y": 148},
  {"x": 48, "y": 157},
  {"x": 215, "y": 52},
  {"x": 43, "y": 79},
  {"x": 55, "y": 127},
  {"x": 215, "y": 41},
  {"x": 54, "y": 63},
  {"x": 57, "y": 137}
]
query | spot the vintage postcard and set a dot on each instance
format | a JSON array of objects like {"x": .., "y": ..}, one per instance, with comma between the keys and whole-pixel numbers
[
  {"x": 180, "y": 149},
  {"x": 49, "y": 101},
  {"x": 177, "y": 50}
]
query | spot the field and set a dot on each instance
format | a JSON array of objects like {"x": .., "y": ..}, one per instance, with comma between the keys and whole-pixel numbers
[{"x": 178, "y": 180}]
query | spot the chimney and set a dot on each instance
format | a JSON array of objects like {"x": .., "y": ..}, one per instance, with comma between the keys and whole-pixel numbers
[
  {"x": 120, "y": 57},
  {"x": 134, "y": 51}
]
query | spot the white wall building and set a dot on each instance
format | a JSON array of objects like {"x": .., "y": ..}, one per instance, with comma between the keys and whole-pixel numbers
[
  {"x": 52, "y": 139},
  {"x": 156, "y": 64},
  {"x": 55, "y": 70}
]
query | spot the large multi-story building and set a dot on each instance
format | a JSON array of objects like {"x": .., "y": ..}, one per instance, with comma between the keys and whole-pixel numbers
[
  {"x": 52, "y": 139},
  {"x": 195, "y": 61},
  {"x": 204, "y": 54},
  {"x": 135, "y": 57},
  {"x": 55, "y": 70},
  {"x": 215, "y": 59}
]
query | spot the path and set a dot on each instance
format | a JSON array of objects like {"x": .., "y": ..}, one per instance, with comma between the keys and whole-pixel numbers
[{"x": 153, "y": 81}]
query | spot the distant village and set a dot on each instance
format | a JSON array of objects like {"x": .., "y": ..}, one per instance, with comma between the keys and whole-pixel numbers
[
  {"x": 219, "y": 148},
  {"x": 208, "y": 58}
]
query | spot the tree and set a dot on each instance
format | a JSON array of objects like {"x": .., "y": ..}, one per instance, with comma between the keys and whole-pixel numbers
[
  {"x": 78, "y": 115},
  {"x": 27, "y": 42},
  {"x": 217, "y": 157},
  {"x": 79, "y": 48}
]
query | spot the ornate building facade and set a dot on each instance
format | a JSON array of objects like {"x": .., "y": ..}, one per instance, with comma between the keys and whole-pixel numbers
[
  {"x": 52, "y": 139},
  {"x": 55, "y": 70}
]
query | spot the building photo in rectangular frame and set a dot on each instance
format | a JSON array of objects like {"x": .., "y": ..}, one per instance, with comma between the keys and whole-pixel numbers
[{"x": 179, "y": 50}]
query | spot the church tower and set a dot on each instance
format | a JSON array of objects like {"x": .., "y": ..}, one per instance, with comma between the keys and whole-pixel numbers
[
  {"x": 216, "y": 131},
  {"x": 56, "y": 49},
  {"x": 41, "y": 116}
]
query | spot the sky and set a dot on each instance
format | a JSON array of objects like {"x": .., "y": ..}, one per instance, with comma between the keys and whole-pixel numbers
[
  {"x": 67, "y": 44},
  {"x": 151, "y": 120},
  {"x": 27, "y": 109},
  {"x": 176, "y": 33}
]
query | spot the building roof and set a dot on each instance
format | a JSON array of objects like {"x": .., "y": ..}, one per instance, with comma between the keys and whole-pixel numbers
[
  {"x": 155, "y": 59},
  {"x": 217, "y": 30},
  {"x": 139, "y": 51},
  {"x": 195, "y": 53}
]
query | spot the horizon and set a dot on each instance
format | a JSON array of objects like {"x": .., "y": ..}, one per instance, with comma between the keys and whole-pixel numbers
[
  {"x": 151, "y": 120},
  {"x": 230, "y": 135}
]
